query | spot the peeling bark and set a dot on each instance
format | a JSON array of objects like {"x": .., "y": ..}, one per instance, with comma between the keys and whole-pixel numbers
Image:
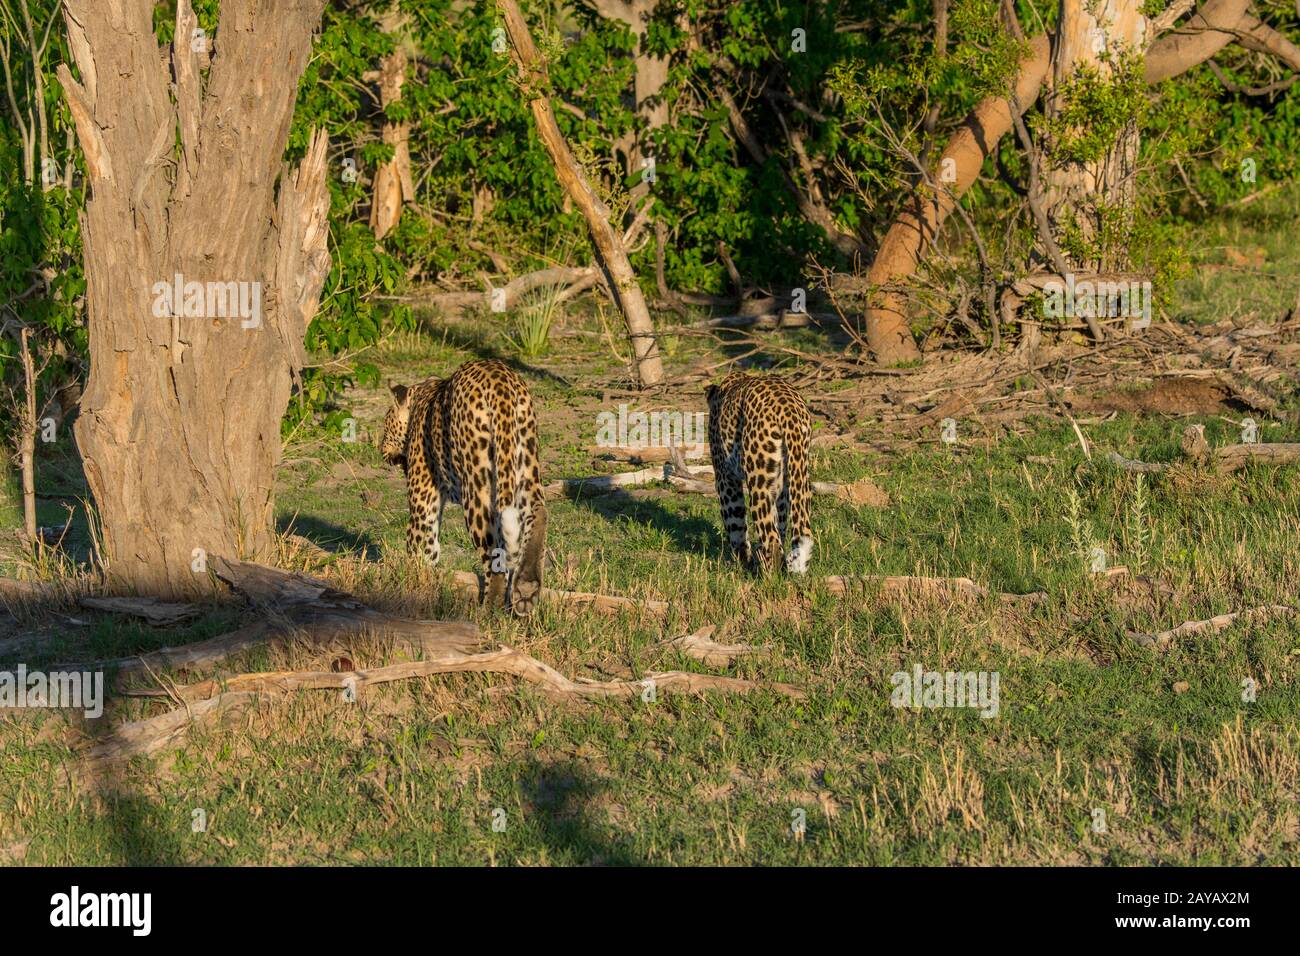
[
  {"x": 393, "y": 186},
  {"x": 179, "y": 430}
]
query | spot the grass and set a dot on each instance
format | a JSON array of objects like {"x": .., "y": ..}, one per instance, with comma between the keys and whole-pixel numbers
[{"x": 1162, "y": 747}]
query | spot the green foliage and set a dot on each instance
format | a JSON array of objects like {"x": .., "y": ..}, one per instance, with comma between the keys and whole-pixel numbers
[
  {"x": 829, "y": 78},
  {"x": 985, "y": 54},
  {"x": 1095, "y": 108}
]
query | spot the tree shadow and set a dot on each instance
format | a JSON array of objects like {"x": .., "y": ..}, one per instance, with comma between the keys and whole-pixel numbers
[
  {"x": 473, "y": 336},
  {"x": 329, "y": 536},
  {"x": 145, "y": 833},
  {"x": 558, "y": 799},
  {"x": 689, "y": 533}
]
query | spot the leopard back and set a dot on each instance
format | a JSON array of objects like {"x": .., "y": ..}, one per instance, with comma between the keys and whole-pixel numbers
[{"x": 759, "y": 435}]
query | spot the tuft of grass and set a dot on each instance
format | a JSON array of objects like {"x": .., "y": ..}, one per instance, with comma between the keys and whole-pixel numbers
[{"x": 529, "y": 334}]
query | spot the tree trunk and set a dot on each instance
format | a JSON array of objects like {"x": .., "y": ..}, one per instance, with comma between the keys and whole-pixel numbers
[
  {"x": 27, "y": 438},
  {"x": 1213, "y": 27},
  {"x": 179, "y": 430},
  {"x": 1078, "y": 194},
  {"x": 909, "y": 238},
  {"x": 647, "y": 83},
  {"x": 393, "y": 183},
  {"x": 609, "y": 247}
]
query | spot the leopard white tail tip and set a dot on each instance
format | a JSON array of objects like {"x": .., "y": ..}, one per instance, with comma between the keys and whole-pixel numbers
[
  {"x": 797, "y": 560},
  {"x": 511, "y": 529}
]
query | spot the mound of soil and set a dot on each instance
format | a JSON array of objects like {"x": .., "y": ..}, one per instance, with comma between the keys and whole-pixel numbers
[{"x": 1176, "y": 395}]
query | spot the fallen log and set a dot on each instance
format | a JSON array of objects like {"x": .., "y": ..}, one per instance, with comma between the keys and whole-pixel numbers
[
  {"x": 1162, "y": 639},
  {"x": 1226, "y": 458},
  {"x": 700, "y": 481},
  {"x": 644, "y": 455},
  {"x": 155, "y": 612},
  {"x": 13, "y": 591},
  {"x": 506, "y": 660},
  {"x": 144, "y": 737},
  {"x": 598, "y": 484},
  {"x": 324, "y": 624},
  {"x": 911, "y": 585},
  {"x": 1131, "y": 464},
  {"x": 295, "y": 604},
  {"x": 1234, "y": 457}
]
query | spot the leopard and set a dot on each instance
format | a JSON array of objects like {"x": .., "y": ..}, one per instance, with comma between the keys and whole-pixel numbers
[
  {"x": 759, "y": 435},
  {"x": 471, "y": 439}
]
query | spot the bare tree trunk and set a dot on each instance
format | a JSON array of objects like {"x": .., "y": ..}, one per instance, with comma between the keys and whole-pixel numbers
[
  {"x": 648, "y": 81},
  {"x": 179, "y": 430},
  {"x": 27, "y": 440},
  {"x": 1078, "y": 194},
  {"x": 393, "y": 184},
  {"x": 609, "y": 247}
]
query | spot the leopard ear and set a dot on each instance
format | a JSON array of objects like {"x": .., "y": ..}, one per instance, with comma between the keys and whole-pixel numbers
[
  {"x": 710, "y": 392},
  {"x": 399, "y": 392}
]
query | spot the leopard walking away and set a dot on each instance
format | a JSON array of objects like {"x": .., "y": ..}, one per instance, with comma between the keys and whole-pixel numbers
[
  {"x": 759, "y": 434},
  {"x": 471, "y": 439}
]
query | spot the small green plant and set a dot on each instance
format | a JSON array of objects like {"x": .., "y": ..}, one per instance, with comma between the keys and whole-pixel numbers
[
  {"x": 530, "y": 329},
  {"x": 1081, "y": 538},
  {"x": 1137, "y": 531}
]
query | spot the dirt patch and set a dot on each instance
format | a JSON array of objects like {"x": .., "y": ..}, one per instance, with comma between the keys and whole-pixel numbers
[
  {"x": 1166, "y": 396},
  {"x": 864, "y": 491}
]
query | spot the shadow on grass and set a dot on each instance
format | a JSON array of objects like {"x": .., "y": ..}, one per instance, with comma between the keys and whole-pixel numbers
[
  {"x": 559, "y": 799},
  {"x": 688, "y": 532},
  {"x": 329, "y": 536},
  {"x": 144, "y": 833},
  {"x": 474, "y": 337}
]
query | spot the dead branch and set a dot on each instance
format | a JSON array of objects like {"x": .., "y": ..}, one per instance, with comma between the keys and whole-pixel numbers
[
  {"x": 610, "y": 250},
  {"x": 646, "y": 454},
  {"x": 155, "y": 612},
  {"x": 1162, "y": 639},
  {"x": 468, "y": 583},
  {"x": 1130, "y": 464},
  {"x": 909, "y": 585},
  {"x": 1226, "y": 458},
  {"x": 699, "y": 646},
  {"x": 295, "y": 605},
  {"x": 1234, "y": 457},
  {"x": 599, "y": 484},
  {"x": 209, "y": 699}
]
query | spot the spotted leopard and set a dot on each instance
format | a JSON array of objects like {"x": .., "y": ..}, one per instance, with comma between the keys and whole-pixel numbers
[
  {"x": 759, "y": 432},
  {"x": 472, "y": 439}
]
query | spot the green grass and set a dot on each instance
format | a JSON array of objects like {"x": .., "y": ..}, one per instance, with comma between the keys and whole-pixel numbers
[{"x": 1185, "y": 770}]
